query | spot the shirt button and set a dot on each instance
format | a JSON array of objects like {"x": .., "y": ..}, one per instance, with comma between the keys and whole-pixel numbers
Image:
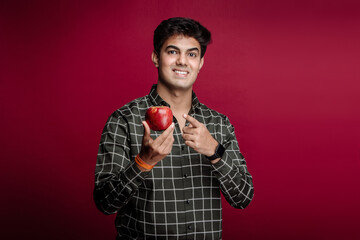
[
  {"x": 185, "y": 175},
  {"x": 188, "y": 201},
  {"x": 189, "y": 227},
  {"x": 182, "y": 148}
]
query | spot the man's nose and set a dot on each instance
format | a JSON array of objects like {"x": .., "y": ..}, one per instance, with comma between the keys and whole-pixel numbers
[{"x": 181, "y": 60}]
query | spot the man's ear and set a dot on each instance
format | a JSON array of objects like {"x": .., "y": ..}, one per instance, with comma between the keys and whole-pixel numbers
[
  {"x": 155, "y": 58},
  {"x": 201, "y": 63}
]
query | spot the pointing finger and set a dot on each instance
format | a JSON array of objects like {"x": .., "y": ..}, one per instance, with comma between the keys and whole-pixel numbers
[{"x": 192, "y": 120}]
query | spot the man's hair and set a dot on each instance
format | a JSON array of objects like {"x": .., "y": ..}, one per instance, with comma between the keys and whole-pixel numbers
[{"x": 181, "y": 26}]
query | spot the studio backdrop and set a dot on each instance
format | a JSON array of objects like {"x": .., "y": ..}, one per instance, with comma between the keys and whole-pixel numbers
[{"x": 286, "y": 73}]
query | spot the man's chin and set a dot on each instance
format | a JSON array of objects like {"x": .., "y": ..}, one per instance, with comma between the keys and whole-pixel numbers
[
  {"x": 179, "y": 85},
  {"x": 182, "y": 87}
]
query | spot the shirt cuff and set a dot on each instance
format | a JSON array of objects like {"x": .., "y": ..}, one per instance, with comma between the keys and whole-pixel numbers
[
  {"x": 223, "y": 167},
  {"x": 134, "y": 176}
]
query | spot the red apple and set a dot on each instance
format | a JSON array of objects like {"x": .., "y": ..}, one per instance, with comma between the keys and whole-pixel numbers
[{"x": 159, "y": 118}]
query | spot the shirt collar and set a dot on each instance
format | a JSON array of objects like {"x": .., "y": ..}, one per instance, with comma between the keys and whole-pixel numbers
[{"x": 158, "y": 101}]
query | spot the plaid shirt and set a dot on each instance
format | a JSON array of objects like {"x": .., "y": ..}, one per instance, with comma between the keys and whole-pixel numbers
[{"x": 180, "y": 197}]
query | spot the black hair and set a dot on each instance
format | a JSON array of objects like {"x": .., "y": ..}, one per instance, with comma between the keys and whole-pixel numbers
[{"x": 181, "y": 26}]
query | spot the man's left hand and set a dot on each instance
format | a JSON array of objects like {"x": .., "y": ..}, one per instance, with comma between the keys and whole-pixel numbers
[{"x": 198, "y": 137}]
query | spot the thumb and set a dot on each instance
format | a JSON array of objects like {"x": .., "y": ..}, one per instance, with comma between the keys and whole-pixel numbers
[{"x": 146, "y": 129}]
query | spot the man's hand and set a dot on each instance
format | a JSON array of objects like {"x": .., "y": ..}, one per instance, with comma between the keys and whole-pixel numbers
[
  {"x": 198, "y": 137},
  {"x": 153, "y": 151}
]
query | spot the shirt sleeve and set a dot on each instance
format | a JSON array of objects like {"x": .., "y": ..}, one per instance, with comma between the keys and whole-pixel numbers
[
  {"x": 117, "y": 176},
  {"x": 231, "y": 171}
]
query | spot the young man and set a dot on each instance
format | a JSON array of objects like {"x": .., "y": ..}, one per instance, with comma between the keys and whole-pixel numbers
[{"x": 166, "y": 185}]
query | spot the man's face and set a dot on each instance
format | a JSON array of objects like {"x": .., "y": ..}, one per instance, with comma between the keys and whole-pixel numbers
[{"x": 178, "y": 62}]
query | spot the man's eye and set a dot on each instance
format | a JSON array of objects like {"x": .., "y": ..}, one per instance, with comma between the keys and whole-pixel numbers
[
  {"x": 172, "y": 52},
  {"x": 192, "y": 54}
]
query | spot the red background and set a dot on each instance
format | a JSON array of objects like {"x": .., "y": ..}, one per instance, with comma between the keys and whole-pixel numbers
[{"x": 287, "y": 75}]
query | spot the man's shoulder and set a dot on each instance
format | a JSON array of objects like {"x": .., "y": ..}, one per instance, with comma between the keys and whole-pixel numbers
[
  {"x": 133, "y": 108},
  {"x": 207, "y": 112}
]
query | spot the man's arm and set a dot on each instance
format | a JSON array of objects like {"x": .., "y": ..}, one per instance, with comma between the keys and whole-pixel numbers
[
  {"x": 117, "y": 176},
  {"x": 231, "y": 171}
]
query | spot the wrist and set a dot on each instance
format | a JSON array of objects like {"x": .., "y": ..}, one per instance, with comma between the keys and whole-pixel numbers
[
  {"x": 142, "y": 165},
  {"x": 212, "y": 148},
  {"x": 219, "y": 152},
  {"x": 215, "y": 161},
  {"x": 147, "y": 159}
]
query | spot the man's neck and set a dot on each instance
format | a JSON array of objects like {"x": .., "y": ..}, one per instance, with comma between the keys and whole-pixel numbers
[{"x": 179, "y": 100}]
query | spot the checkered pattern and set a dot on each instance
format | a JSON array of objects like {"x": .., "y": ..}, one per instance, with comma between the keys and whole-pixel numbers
[{"x": 180, "y": 197}]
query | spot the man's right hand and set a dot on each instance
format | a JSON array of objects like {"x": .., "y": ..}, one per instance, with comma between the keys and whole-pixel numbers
[{"x": 153, "y": 151}]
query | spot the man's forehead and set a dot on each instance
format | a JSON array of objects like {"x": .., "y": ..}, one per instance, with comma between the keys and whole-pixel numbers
[{"x": 182, "y": 42}]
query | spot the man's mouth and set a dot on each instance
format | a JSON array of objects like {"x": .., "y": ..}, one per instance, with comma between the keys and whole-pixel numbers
[{"x": 181, "y": 72}]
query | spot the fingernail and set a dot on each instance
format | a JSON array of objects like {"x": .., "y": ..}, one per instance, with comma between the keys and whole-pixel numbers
[
  {"x": 185, "y": 115},
  {"x": 172, "y": 125}
]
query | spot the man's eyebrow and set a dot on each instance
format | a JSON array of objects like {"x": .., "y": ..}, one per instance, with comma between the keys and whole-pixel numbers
[
  {"x": 172, "y": 46},
  {"x": 193, "y": 49},
  {"x": 188, "y": 50}
]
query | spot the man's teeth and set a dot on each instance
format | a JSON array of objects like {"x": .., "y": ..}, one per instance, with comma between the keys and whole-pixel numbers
[{"x": 180, "y": 72}]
